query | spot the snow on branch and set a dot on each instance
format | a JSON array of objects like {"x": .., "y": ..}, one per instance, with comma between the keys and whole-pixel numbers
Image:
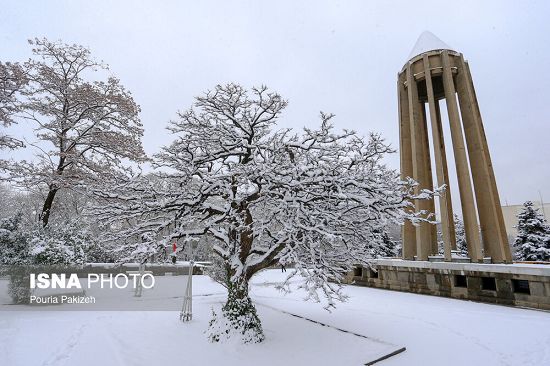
[{"x": 320, "y": 200}]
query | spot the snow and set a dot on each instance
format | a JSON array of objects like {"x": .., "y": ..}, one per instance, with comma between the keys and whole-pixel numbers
[
  {"x": 259, "y": 196},
  {"x": 435, "y": 331},
  {"x": 538, "y": 269},
  {"x": 178, "y": 264},
  {"x": 427, "y": 42}
]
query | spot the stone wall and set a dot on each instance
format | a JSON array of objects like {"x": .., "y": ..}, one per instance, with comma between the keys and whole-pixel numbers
[{"x": 526, "y": 285}]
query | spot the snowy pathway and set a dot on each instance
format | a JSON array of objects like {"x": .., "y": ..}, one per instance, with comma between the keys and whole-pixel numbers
[{"x": 435, "y": 331}]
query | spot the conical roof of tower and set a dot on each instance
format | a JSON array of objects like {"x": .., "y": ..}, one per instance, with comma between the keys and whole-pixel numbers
[{"x": 428, "y": 42}]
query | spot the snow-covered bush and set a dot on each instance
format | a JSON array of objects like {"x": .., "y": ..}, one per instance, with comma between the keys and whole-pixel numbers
[
  {"x": 65, "y": 243},
  {"x": 19, "y": 286},
  {"x": 237, "y": 320},
  {"x": 14, "y": 248},
  {"x": 15, "y": 257},
  {"x": 24, "y": 244},
  {"x": 96, "y": 252},
  {"x": 533, "y": 239}
]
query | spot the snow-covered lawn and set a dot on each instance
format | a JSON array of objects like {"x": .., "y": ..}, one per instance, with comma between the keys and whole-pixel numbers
[{"x": 436, "y": 331}]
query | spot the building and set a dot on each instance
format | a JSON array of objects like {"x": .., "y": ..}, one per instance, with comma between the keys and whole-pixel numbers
[
  {"x": 433, "y": 72},
  {"x": 511, "y": 212},
  {"x": 436, "y": 72}
]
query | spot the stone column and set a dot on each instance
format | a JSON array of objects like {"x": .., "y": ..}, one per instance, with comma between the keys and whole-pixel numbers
[
  {"x": 491, "y": 221},
  {"x": 423, "y": 231},
  {"x": 427, "y": 178},
  {"x": 446, "y": 210},
  {"x": 464, "y": 182},
  {"x": 408, "y": 233},
  {"x": 447, "y": 194}
]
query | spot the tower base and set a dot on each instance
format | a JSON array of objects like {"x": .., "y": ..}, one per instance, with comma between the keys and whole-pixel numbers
[{"x": 524, "y": 285}]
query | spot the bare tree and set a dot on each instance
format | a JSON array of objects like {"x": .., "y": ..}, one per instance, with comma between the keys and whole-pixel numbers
[
  {"x": 317, "y": 201},
  {"x": 12, "y": 80},
  {"x": 85, "y": 129}
]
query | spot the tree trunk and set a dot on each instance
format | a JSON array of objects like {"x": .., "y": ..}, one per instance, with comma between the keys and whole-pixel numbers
[
  {"x": 45, "y": 215},
  {"x": 238, "y": 316}
]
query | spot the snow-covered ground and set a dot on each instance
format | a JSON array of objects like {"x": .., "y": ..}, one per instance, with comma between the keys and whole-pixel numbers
[{"x": 436, "y": 331}]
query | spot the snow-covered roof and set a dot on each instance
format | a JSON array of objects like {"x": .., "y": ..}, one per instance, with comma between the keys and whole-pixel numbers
[{"x": 428, "y": 42}]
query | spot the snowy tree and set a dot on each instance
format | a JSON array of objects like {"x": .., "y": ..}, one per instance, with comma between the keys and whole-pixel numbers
[
  {"x": 14, "y": 247},
  {"x": 319, "y": 200},
  {"x": 86, "y": 130},
  {"x": 15, "y": 257},
  {"x": 533, "y": 239},
  {"x": 60, "y": 243},
  {"x": 29, "y": 243},
  {"x": 460, "y": 234},
  {"x": 12, "y": 80},
  {"x": 382, "y": 244},
  {"x": 10, "y": 201},
  {"x": 26, "y": 244}
]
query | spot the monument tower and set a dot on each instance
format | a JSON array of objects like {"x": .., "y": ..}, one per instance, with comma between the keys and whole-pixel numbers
[{"x": 434, "y": 72}]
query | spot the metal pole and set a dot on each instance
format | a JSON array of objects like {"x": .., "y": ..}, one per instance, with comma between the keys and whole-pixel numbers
[
  {"x": 191, "y": 288},
  {"x": 186, "y": 313},
  {"x": 542, "y": 205},
  {"x": 141, "y": 270}
]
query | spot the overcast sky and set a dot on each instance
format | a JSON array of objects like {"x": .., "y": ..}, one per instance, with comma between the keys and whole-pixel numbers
[{"x": 335, "y": 56}]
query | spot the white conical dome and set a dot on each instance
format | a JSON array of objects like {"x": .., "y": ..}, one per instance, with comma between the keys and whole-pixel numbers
[{"x": 428, "y": 42}]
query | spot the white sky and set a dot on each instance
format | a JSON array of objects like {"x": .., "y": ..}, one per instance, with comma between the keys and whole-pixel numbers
[{"x": 336, "y": 56}]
